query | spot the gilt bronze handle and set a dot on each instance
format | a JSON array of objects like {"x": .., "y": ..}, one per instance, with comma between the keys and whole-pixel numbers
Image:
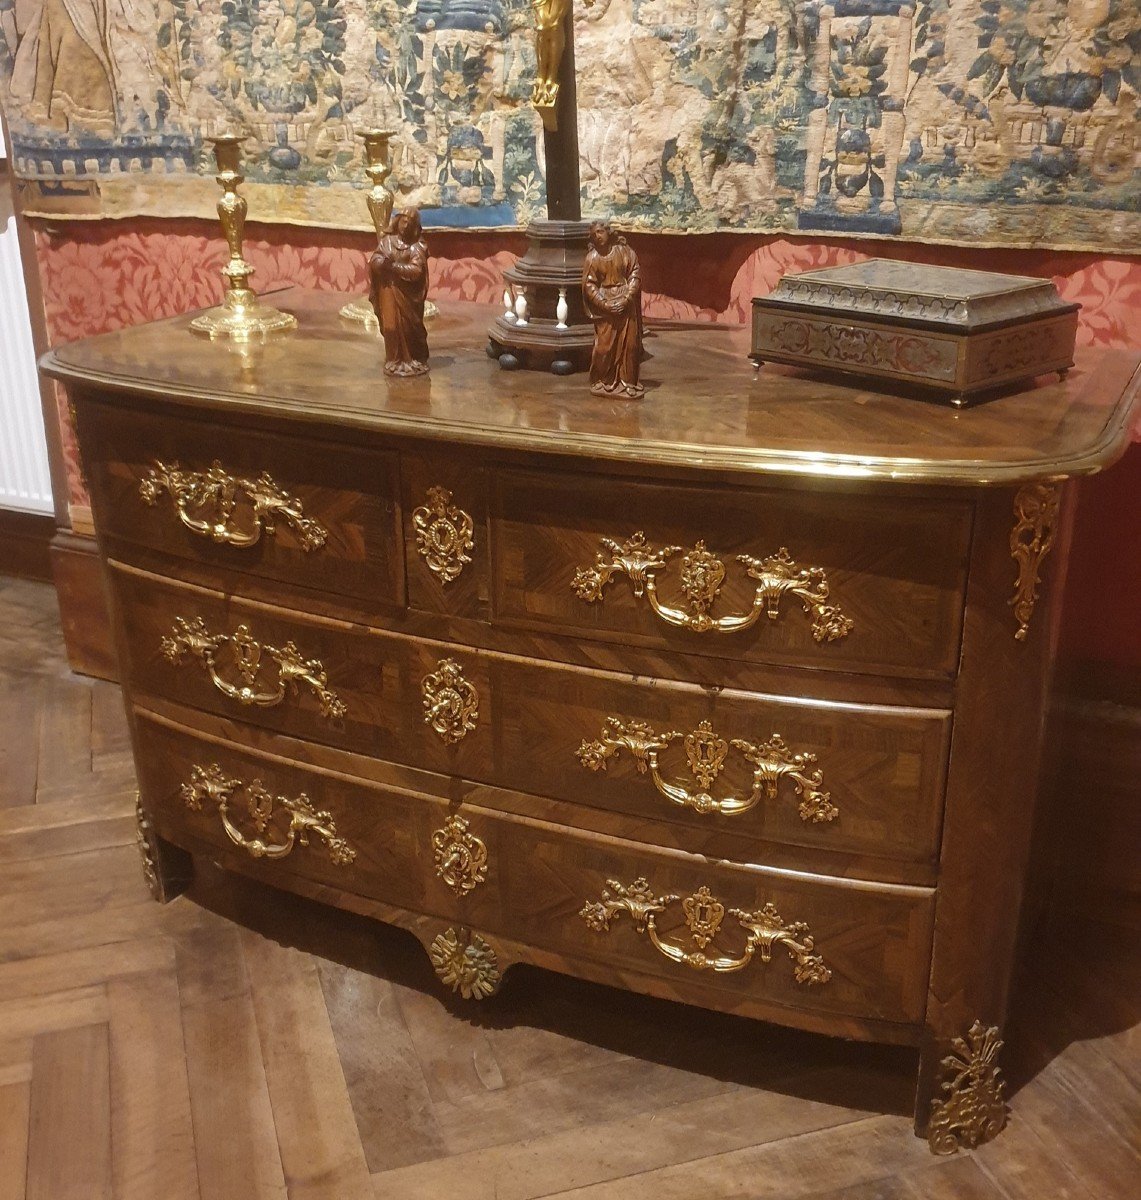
[
  {"x": 704, "y": 914},
  {"x": 206, "y": 501},
  {"x": 211, "y": 785},
  {"x": 705, "y": 753},
  {"x": 246, "y": 661},
  {"x": 702, "y": 575}
]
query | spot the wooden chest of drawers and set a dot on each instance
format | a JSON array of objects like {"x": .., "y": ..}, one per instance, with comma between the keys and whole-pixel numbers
[{"x": 733, "y": 696}]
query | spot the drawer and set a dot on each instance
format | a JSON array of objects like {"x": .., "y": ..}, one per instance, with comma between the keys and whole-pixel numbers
[
  {"x": 725, "y": 771},
  {"x": 303, "y": 821},
  {"x": 780, "y": 938},
  {"x": 310, "y": 677},
  {"x": 854, "y": 779},
  {"x": 850, "y": 581},
  {"x": 301, "y": 512}
]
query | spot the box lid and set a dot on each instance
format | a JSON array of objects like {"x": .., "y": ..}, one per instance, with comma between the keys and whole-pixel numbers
[{"x": 916, "y": 294}]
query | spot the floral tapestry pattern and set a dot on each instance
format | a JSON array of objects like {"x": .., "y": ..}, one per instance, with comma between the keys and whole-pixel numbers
[{"x": 983, "y": 122}]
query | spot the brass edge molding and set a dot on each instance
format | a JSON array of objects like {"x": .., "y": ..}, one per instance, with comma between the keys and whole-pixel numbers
[
  {"x": 218, "y": 490},
  {"x": 706, "y": 752},
  {"x": 461, "y": 857},
  {"x": 972, "y": 1109},
  {"x": 443, "y": 535},
  {"x": 191, "y": 637},
  {"x": 451, "y": 703},
  {"x": 701, "y": 576},
  {"x": 466, "y": 963},
  {"x": 813, "y": 464},
  {"x": 144, "y": 839},
  {"x": 212, "y": 786},
  {"x": 704, "y": 914},
  {"x": 1031, "y": 539}
]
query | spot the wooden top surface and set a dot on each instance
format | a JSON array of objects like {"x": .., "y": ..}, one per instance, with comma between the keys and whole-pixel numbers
[{"x": 704, "y": 405}]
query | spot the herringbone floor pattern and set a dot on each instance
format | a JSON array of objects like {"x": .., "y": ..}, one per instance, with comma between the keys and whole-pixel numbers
[{"x": 240, "y": 1044}]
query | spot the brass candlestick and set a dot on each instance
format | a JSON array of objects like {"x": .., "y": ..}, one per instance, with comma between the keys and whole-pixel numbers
[
  {"x": 380, "y": 200},
  {"x": 240, "y": 316}
]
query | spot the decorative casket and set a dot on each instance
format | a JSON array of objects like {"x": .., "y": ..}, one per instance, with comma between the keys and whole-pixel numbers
[{"x": 957, "y": 333}]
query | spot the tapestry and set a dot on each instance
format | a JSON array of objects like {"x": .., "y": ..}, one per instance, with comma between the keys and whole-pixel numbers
[{"x": 980, "y": 122}]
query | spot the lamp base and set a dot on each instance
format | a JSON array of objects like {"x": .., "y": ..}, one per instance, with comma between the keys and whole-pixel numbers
[
  {"x": 552, "y": 267},
  {"x": 241, "y": 317},
  {"x": 361, "y": 311}
]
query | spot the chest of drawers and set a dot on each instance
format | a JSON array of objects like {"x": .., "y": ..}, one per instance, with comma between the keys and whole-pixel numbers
[{"x": 733, "y": 696}]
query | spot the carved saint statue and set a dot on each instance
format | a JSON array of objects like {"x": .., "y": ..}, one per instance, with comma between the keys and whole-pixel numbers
[
  {"x": 398, "y": 288},
  {"x": 612, "y": 292}
]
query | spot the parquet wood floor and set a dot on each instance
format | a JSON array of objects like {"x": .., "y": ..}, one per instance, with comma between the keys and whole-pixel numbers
[{"x": 241, "y": 1044}]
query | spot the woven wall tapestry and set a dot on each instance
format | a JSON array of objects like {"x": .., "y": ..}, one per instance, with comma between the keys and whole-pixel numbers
[{"x": 1000, "y": 122}]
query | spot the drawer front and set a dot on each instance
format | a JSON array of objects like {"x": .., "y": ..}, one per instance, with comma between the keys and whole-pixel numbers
[
  {"x": 303, "y": 822},
  {"x": 799, "y": 941},
  {"x": 722, "y": 771},
  {"x": 313, "y": 678},
  {"x": 852, "y": 582},
  {"x": 856, "y": 779},
  {"x": 306, "y": 513}
]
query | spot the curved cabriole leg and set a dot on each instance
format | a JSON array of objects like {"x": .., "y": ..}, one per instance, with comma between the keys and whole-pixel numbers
[
  {"x": 166, "y": 869},
  {"x": 465, "y": 963},
  {"x": 968, "y": 1105}
]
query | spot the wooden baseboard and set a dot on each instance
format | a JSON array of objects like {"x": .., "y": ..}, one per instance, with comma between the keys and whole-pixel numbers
[
  {"x": 83, "y": 606},
  {"x": 25, "y": 541}
]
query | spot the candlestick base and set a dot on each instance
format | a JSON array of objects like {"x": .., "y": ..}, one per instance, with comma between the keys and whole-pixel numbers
[
  {"x": 557, "y": 334},
  {"x": 361, "y": 311},
  {"x": 242, "y": 317}
]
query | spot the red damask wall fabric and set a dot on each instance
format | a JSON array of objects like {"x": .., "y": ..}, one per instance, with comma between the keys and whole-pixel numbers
[{"x": 108, "y": 274}]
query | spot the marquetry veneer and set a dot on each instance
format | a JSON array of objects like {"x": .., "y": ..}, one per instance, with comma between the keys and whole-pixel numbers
[{"x": 732, "y": 696}]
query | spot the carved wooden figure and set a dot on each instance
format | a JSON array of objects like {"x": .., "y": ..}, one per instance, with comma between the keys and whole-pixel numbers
[
  {"x": 612, "y": 292},
  {"x": 398, "y": 288}
]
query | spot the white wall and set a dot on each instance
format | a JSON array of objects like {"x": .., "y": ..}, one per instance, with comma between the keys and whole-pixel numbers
[{"x": 25, "y": 482}]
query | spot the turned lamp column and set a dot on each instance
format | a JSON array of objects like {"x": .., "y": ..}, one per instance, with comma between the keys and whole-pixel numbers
[
  {"x": 240, "y": 316},
  {"x": 544, "y": 325}
]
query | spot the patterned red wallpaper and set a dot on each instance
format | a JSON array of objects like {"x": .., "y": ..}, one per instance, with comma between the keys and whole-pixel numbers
[{"x": 108, "y": 274}]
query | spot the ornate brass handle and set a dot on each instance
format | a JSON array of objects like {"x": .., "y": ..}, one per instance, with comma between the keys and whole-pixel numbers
[
  {"x": 705, "y": 753},
  {"x": 461, "y": 857},
  {"x": 702, "y": 575},
  {"x": 193, "y": 638},
  {"x": 211, "y": 785},
  {"x": 218, "y": 491},
  {"x": 704, "y": 914}
]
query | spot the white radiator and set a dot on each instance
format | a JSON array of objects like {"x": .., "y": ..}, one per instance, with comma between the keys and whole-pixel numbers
[{"x": 25, "y": 482}]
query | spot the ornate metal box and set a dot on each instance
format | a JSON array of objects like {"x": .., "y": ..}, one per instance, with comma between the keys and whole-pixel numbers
[{"x": 956, "y": 332}]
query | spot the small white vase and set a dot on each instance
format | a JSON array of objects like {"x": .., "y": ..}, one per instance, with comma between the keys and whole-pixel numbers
[
  {"x": 521, "y": 308},
  {"x": 508, "y": 307},
  {"x": 561, "y": 310}
]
